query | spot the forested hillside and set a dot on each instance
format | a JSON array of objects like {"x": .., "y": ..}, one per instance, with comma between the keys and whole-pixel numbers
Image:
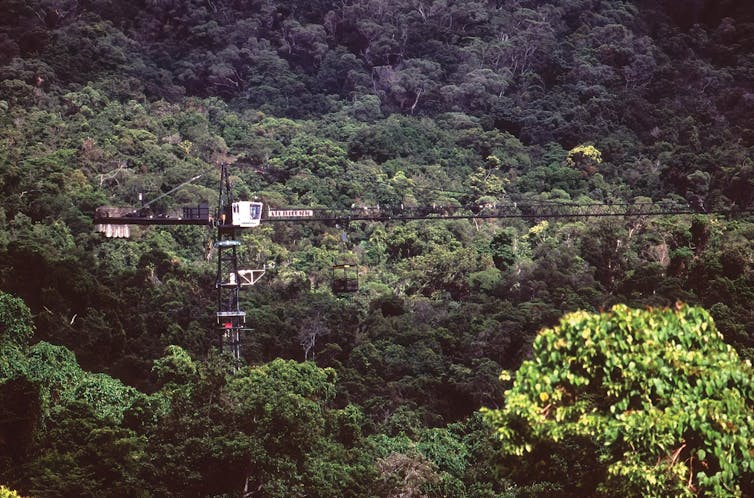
[{"x": 110, "y": 380}]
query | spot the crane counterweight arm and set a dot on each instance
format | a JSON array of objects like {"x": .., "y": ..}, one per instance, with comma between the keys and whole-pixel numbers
[{"x": 150, "y": 220}]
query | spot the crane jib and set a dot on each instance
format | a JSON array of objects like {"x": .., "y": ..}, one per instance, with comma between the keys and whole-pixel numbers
[{"x": 523, "y": 211}]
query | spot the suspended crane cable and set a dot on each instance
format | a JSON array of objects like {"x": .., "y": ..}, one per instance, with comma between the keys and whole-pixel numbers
[{"x": 171, "y": 191}]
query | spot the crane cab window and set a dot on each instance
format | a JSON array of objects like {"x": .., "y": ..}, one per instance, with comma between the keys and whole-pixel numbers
[{"x": 246, "y": 214}]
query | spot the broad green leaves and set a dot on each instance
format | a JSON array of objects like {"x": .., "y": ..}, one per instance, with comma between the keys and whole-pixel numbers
[{"x": 668, "y": 401}]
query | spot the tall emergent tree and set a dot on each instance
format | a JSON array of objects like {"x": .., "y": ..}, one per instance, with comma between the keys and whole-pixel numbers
[{"x": 665, "y": 407}]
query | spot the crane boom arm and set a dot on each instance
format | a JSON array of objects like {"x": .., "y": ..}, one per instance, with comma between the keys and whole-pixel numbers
[{"x": 544, "y": 210}]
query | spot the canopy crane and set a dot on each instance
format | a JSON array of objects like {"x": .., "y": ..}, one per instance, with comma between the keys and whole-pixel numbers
[{"x": 234, "y": 216}]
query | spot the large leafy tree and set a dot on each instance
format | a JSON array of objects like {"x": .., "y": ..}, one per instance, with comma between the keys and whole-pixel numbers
[
  {"x": 60, "y": 432},
  {"x": 654, "y": 397},
  {"x": 269, "y": 430}
]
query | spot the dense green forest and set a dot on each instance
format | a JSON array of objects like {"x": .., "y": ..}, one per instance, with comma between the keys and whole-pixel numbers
[{"x": 111, "y": 383}]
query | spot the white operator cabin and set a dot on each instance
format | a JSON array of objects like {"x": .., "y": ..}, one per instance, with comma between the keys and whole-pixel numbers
[{"x": 246, "y": 213}]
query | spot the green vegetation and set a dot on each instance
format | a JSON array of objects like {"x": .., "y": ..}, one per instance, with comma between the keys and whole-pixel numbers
[
  {"x": 8, "y": 493},
  {"x": 110, "y": 384},
  {"x": 659, "y": 399}
]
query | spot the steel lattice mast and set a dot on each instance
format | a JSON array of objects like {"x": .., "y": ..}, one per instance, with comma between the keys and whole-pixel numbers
[{"x": 230, "y": 317}]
